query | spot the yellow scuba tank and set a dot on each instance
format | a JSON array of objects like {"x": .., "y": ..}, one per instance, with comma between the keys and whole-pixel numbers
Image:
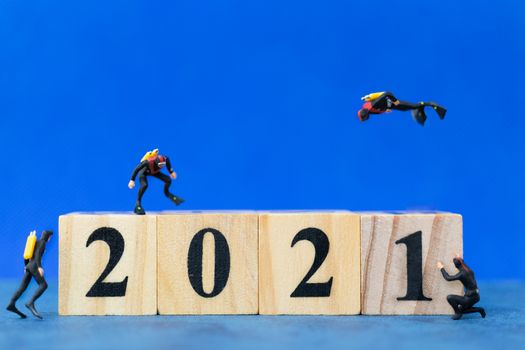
[
  {"x": 373, "y": 96},
  {"x": 150, "y": 154},
  {"x": 30, "y": 245}
]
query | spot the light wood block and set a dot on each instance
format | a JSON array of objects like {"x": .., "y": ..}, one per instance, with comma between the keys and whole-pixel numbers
[
  {"x": 130, "y": 270},
  {"x": 309, "y": 263},
  {"x": 207, "y": 263},
  {"x": 393, "y": 269}
]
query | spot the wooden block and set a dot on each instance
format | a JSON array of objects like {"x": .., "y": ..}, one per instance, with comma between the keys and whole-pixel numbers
[
  {"x": 207, "y": 263},
  {"x": 399, "y": 253},
  {"x": 107, "y": 264},
  {"x": 309, "y": 263}
]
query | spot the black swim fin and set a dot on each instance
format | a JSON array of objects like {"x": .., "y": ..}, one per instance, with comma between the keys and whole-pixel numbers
[
  {"x": 440, "y": 110},
  {"x": 177, "y": 200},
  {"x": 419, "y": 115}
]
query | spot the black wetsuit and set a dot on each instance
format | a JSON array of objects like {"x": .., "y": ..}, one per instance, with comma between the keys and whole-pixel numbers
[
  {"x": 387, "y": 101},
  {"x": 464, "y": 304},
  {"x": 31, "y": 271},
  {"x": 147, "y": 168}
]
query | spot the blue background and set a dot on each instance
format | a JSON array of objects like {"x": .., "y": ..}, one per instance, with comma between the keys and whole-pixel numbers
[{"x": 255, "y": 103}]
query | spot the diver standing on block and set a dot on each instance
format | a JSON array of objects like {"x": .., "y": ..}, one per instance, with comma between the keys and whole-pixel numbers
[
  {"x": 463, "y": 304},
  {"x": 150, "y": 165},
  {"x": 384, "y": 102},
  {"x": 33, "y": 269}
]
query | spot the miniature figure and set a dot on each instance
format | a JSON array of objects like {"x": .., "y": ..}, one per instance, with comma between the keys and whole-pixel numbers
[
  {"x": 381, "y": 102},
  {"x": 33, "y": 269},
  {"x": 463, "y": 304},
  {"x": 150, "y": 165}
]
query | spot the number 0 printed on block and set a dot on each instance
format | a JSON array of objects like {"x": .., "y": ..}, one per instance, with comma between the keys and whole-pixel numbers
[{"x": 207, "y": 263}]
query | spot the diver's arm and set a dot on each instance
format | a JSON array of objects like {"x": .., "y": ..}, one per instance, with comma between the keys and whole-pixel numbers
[
  {"x": 449, "y": 277},
  {"x": 168, "y": 165},
  {"x": 170, "y": 169},
  {"x": 39, "y": 252},
  {"x": 139, "y": 167}
]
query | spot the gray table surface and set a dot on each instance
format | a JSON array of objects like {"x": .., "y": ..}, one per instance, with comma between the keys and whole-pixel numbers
[{"x": 503, "y": 328}]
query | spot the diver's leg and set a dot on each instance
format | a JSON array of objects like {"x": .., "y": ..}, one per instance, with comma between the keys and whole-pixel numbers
[
  {"x": 468, "y": 306},
  {"x": 464, "y": 303},
  {"x": 143, "y": 179},
  {"x": 142, "y": 189},
  {"x": 42, "y": 286},
  {"x": 476, "y": 309},
  {"x": 167, "y": 183},
  {"x": 454, "y": 301},
  {"x": 418, "y": 110},
  {"x": 407, "y": 106},
  {"x": 21, "y": 289},
  {"x": 440, "y": 110}
]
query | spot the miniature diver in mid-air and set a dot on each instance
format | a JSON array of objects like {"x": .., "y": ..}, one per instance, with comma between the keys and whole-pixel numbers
[
  {"x": 384, "y": 102},
  {"x": 33, "y": 269},
  {"x": 150, "y": 165},
  {"x": 463, "y": 304}
]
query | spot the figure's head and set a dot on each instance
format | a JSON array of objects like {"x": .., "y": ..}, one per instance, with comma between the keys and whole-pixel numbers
[
  {"x": 363, "y": 114},
  {"x": 46, "y": 235},
  {"x": 161, "y": 161},
  {"x": 458, "y": 262}
]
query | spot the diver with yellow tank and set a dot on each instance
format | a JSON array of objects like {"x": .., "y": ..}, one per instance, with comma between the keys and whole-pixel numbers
[
  {"x": 150, "y": 165},
  {"x": 384, "y": 102},
  {"x": 33, "y": 253}
]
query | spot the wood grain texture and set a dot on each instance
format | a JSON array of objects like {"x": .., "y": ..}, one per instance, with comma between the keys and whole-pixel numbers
[
  {"x": 282, "y": 267},
  {"x": 80, "y": 265},
  {"x": 176, "y": 295},
  {"x": 384, "y": 263}
]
